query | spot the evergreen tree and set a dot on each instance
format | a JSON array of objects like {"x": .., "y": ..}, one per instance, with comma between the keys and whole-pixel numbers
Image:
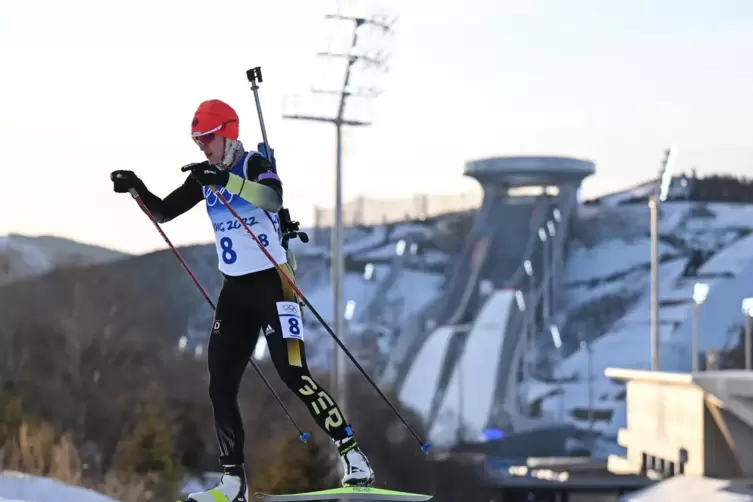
[
  {"x": 147, "y": 448},
  {"x": 294, "y": 467}
]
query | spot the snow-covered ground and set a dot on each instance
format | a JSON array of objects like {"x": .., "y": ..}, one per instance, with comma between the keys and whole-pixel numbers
[
  {"x": 18, "y": 487},
  {"x": 388, "y": 271},
  {"x": 618, "y": 266},
  {"x": 413, "y": 288}
]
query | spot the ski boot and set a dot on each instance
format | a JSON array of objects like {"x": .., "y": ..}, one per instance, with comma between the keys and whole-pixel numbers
[
  {"x": 355, "y": 464},
  {"x": 232, "y": 487}
]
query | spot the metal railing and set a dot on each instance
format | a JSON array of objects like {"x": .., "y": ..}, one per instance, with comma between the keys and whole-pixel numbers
[{"x": 370, "y": 211}]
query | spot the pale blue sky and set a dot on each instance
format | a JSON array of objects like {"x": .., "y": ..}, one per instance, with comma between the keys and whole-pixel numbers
[{"x": 89, "y": 86}]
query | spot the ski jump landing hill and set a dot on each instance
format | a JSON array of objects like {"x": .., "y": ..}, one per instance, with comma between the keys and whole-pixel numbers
[{"x": 456, "y": 362}]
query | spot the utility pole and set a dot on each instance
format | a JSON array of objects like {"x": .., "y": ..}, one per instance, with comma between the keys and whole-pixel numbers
[{"x": 337, "y": 265}]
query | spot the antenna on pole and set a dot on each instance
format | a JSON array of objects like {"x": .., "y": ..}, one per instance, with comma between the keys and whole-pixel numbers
[{"x": 346, "y": 91}]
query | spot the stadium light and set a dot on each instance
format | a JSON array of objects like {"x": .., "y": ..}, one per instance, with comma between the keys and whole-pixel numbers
[
  {"x": 700, "y": 292},
  {"x": 350, "y": 309},
  {"x": 556, "y": 338},
  {"x": 666, "y": 173},
  {"x": 748, "y": 307},
  {"x": 400, "y": 247},
  {"x": 528, "y": 268},
  {"x": 660, "y": 193},
  {"x": 368, "y": 271},
  {"x": 748, "y": 311},
  {"x": 521, "y": 301}
]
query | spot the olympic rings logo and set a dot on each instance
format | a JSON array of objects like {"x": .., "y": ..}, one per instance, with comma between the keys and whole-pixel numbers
[
  {"x": 290, "y": 308},
  {"x": 212, "y": 198}
]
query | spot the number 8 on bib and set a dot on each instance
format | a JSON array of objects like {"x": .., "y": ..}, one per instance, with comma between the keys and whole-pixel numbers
[{"x": 290, "y": 320}]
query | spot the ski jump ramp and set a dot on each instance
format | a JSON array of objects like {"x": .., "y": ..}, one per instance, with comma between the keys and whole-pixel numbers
[
  {"x": 464, "y": 330},
  {"x": 469, "y": 398}
]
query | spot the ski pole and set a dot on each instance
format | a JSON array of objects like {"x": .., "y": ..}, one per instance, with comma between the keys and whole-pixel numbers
[
  {"x": 424, "y": 446},
  {"x": 303, "y": 435}
]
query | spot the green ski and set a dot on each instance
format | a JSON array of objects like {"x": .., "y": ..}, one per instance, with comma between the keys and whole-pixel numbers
[{"x": 350, "y": 492}]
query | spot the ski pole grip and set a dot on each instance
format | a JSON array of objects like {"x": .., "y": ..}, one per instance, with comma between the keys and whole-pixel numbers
[{"x": 254, "y": 74}]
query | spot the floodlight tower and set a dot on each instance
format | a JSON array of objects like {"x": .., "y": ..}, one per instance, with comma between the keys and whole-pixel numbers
[
  {"x": 659, "y": 195},
  {"x": 376, "y": 60}
]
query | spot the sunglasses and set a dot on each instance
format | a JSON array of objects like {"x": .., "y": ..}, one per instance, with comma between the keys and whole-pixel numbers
[{"x": 204, "y": 139}]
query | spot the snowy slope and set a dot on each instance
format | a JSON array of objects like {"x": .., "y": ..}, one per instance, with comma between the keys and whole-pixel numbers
[
  {"x": 42, "y": 271},
  {"x": 373, "y": 248},
  {"x": 22, "y": 256},
  {"x": 607, "y": 301},
  {"x": 414, "y": 288},
  {"x": 605, "y": 298},
  {"x": 18, "y": 487}
]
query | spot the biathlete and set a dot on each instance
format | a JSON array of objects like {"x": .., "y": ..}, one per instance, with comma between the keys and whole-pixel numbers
[{"x": 254, "y": 295}]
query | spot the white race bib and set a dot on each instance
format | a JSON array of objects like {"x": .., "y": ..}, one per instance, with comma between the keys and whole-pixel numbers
[
  {"x": 290, "y": 320},
  {"x": 237, "y": 252}
]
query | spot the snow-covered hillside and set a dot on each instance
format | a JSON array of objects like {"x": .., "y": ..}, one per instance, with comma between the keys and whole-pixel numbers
[
  {"x": 18, "y": 487},
  {"x": 392, "y": 271},
  {"x": 606, "y": 302},
  {"x": 22, "y": 256}
]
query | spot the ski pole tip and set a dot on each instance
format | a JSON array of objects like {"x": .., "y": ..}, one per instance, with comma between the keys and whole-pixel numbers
[
  {"x": 425, "y": 447},
  {"x": 304, "y": 436}
]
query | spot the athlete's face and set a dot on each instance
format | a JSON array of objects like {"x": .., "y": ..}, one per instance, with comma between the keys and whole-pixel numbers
[{"x": 213, "y": 147}]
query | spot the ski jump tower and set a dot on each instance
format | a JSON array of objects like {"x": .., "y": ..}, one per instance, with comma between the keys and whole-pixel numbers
[
  {"x": 517, "y": 244},
  {"x": 504, "y": 230}
]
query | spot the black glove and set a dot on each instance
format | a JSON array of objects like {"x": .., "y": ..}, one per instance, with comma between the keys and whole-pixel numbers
[
  {"x": 123, "y": 181},
  {"x": 207, "y": 174}
]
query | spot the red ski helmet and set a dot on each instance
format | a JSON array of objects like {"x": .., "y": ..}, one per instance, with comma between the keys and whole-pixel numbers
[{"x": 215, "y": 116}]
